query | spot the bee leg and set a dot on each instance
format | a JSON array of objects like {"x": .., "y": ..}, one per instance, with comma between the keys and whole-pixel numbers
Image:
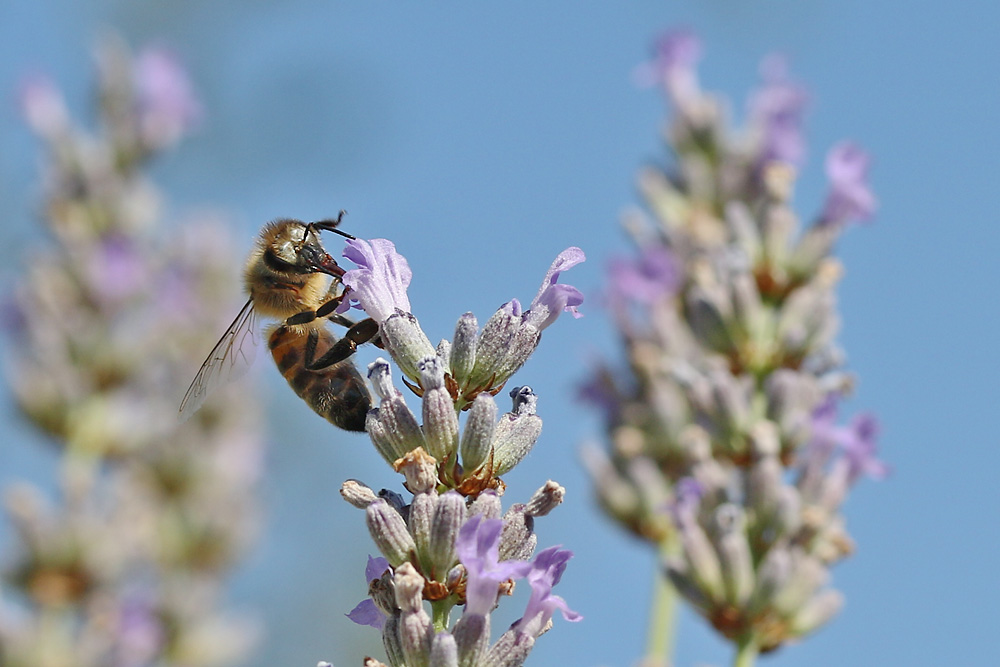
[
  {"x": 325, "y": 310},
  {"x": 360, "y": 333}
]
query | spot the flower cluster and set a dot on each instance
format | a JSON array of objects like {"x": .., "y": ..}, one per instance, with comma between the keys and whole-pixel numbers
[
  {"x": 452, "y": 544},
  {"x": 125, "y": 566},
  {"x": 724, "y": 448}
]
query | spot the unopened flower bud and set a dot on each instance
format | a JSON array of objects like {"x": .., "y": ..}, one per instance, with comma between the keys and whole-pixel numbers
[
  {"x": 357, "y": 493},
  {"x": 487, "y": 504},
  {"x": 511, "y": 649},
  {"x": 477, "y": 437},
  {"x": 518, "y": 540},
  {"x": 463, "y": 348},
  {"x": 389, "y": 532},
  {"x": 406, "y": 343},
  {"x": 392, "y": 642},
  {"x": 545, "y": 499},
  {"x": 444, "y": 651},
  {"x": 449, "y": 515},
  {"x": 440, "y": 419},
  {"x": 816, "y": 612},
  {"x": 517, "y": 431},
  {"x": 472, "y": 635},
  {"x": 734, "y": 553}
]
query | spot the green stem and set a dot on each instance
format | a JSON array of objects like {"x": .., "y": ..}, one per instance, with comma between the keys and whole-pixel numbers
[
  {"x": 662, "y": 615},
  {"x": 441, "y": 610},
  {"x": 746, "y": 651}
]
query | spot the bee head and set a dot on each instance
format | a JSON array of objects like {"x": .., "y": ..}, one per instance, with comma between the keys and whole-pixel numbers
[{"x": 293, "y": 246}]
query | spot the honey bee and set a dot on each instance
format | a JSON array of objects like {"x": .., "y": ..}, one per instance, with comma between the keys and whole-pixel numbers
[{"x": 288, "y": 278}]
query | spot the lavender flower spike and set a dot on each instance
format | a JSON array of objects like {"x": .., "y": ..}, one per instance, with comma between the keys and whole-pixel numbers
[
  {"x": 553, "y": 298},
  {"x": 379, "y": 283}
]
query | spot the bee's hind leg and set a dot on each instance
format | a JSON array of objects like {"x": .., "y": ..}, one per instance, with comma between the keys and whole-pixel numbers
[{"x": 360, "y": 333}]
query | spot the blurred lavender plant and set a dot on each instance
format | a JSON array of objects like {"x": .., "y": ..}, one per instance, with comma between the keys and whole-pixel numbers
[
  {"x": 452, "y": 544},
  {"x": 724, "y": 449},
  {"x": 125, "y": 566}
]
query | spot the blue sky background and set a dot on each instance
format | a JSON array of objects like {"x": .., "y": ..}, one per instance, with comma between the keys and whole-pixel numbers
[{"x": 483, "y": 138}]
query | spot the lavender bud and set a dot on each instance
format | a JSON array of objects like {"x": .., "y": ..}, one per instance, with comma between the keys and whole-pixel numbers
[
  {"x": 734, "y": 553},
  {"x": 357, "y": 494},
  {"x": 443, "y": 353},
  {"x": 415, "y": 629},
  {"x": 517, "y": 541},
  {"x": 494, "y": 344},
  {"x": 444, "y": 651},
  {"x": 440, "y": 419},
  {"x": 449, "y": 515},
  {"x": 545, "y": 499},
  {"x": 701, "y": 557},
  {"x": 517, "y": 431},
  {"x": 406, "y": 343},
  {"x": 511, "y": 650},
  {"x": 477, "y": 438},
  {"x": 409, "y": 588},
  {"x": 679, "y": 573},
  {"x": 389, "y": 532},
  {"x": 419, "y": 522},
  {"x": 463, "y": 348},
  {"x": 380, "y": 376},
  {"x": 816, "y": 612},
  {"x": 807, "y": 576},
  {"x": 391, "y": 641},
  {"x": 772, "y": 575},
  {"x": 394, "y": 429},
  {"x": 487, "y": 504},
  {"x": 382, "y": 591},
  {"x": 707, "y": 317},
  {"x": 472, "y": 635}
]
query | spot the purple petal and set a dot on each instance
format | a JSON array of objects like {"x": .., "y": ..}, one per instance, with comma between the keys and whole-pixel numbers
[
  {"x": 850, "y": 198},
  {"x": 546, "y": 571},
  {"x": 478, "y": 548},
  {"x": 676, "y": 54},
  {"x": 860, "y": 449},
  {"x": 42, "y": 105},
  {"x": 366, "y": 613},
  {"x": 380, "y": 281},
  {"x": 375, "y": 568},
  {"x": 553, "y": 298},
  {"x": 777, "y": 109}
]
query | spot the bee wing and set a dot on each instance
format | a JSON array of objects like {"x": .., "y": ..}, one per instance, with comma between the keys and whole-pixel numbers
[{"x": 228, "y": 361}]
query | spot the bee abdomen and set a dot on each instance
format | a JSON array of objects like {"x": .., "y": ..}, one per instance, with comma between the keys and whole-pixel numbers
[{"x": 338, "y": 393}]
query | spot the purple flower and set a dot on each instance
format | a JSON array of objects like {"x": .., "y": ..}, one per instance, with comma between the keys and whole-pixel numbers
[
  {"x": 687, "y": 498},
  {"x": 553, "y": 298},
  {"x": 857, "y": 442},
  {"x": 379, "y": 283},
  {"x": 676, "y": 53},
  {"x": 546, "y": 571},
  {"x": 850, "y": 198},
  {"x": 366, "y": 612},
  {"x": 478, "y": 548},
  {"x": 777, "y": 109},
  {"x": 42, "y": 105},
  {"x": 644, "y": 279},
  {"x": 859, "y": 446},
  {"x": 166, "y": 104}
]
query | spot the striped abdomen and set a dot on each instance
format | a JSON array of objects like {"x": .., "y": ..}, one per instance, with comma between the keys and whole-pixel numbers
[{"x": 338, "y": 392}]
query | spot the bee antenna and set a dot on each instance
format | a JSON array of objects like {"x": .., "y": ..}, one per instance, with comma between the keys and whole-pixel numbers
[{"x": 331, "y": 225}]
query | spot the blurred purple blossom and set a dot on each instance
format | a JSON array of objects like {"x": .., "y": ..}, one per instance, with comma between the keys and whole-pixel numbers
[
  {"x": 676, "y": 52},
  {"x": 850, "y": 198},
  {"x": 379, "y": 283},
  {"x": 644, "y": 279},
  {"x": 167, "y": 107},
  {"x": 42, "y": 105},
  {"x": 777, "y": 108}
]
